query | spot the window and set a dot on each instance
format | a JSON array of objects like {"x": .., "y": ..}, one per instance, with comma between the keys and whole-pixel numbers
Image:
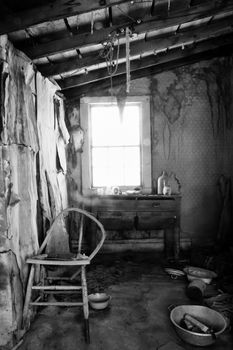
[{"x": 116, "y": 145}]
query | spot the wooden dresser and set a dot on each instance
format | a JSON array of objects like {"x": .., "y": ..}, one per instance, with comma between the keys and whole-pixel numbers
[{"x": 131, "y": 214}]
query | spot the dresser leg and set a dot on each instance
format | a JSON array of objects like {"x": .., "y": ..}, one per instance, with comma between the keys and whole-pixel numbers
[
  {"x": 169, "y": 243},
  {"x": 176, "y": 243}
]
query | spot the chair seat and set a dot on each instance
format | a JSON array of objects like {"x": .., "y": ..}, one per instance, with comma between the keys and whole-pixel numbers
[{"x": 57, "y": 261}]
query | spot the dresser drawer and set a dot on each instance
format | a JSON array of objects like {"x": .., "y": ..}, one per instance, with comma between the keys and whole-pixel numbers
[
  {"x": 115, "y": 205},
  {"x": 170, "y": 203},
  {"x": 154, "y": 220},
  {"x": 116, "y": 220},
  {"x": 157, "y": 205}
]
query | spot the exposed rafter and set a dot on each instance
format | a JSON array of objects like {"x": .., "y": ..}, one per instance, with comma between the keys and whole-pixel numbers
[
  {"x": 142, "y": 47},
  {"x": 170, "y": 61},
  {"x": 51, "y": 11},
  {"x": 99, "y": 36},
  {"x": 173, "y": 55},
  {"x": 78, "y": 51}
]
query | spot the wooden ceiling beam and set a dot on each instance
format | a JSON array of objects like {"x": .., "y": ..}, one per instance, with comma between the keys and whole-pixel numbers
[
  {"x": 51, "y": 11},
  {"x": 150, "y": 24},
  {"x": 90, "y": 89},
  {"x": 141, "y": 47},
  {"x": 202, "y": 50},
  {"x": 165, "y": 6}
]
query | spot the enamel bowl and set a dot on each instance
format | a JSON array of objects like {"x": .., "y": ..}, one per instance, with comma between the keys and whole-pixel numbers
[
  {"x": 194, "y": 273},
  {"x": 207, "y": 316},
  {"x": 99, "y": 301}
]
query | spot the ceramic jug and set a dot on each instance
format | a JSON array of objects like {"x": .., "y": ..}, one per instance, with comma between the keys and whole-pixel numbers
[
  {"x": 174, "y": 183},
  {"x": 167, "y": 191}
]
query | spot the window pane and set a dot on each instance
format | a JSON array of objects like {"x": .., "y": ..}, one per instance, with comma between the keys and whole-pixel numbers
[
  {"x": 132, "y": 167},
  {"x": 99, "y": 177},
  {"x": 131, "y": 126},
  {"x": 115, "y": 146},
  {"x": 105, "y": 126},
  {"x": 99, "y": 166},
  {"x": 108, "y": 128},
  {"x": 116, "y": 166},
  {"x": 99, "y": 157},
  {"x": 115, "y": 157}
]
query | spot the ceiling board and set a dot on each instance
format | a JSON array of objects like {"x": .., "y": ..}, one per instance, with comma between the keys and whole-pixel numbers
[
  {"x": 77, "y": 92},
  {"x": 50, "y": 11},
  {"x": 99, "y": 36},
  {"x": 65, "y": 38},
  {"x": 204, "y": 32},
  {"x": 152, "y": 60}
]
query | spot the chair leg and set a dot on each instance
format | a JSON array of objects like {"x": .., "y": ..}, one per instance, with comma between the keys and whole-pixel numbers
[
  {"x": 26, "y": 317},
  {"x": 85, "y": 304},
  {"x": 87, "y": 331},
  {"x": 37, "y": 274}
]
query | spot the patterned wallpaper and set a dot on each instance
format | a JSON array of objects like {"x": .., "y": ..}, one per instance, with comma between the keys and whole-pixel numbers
[{"x": 189, "y": 138}]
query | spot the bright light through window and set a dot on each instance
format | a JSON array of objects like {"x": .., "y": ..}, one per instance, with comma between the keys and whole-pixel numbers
[{"x": 115, "y": 145}]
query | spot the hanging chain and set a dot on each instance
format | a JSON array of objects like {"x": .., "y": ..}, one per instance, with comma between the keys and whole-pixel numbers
[{"x": 108, "y": 53}]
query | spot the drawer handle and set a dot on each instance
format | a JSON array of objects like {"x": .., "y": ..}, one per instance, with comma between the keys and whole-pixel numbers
[{"x": 154, "y": 205}]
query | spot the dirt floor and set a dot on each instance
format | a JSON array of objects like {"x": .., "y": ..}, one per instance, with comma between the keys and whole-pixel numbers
[{"x": 136, "y": 319}]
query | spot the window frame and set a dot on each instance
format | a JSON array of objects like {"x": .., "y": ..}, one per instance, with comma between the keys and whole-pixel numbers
[{"x": 85, "y": 104}]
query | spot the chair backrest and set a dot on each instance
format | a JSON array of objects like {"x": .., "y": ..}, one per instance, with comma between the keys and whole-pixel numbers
[{"x": 83, "y": 213}]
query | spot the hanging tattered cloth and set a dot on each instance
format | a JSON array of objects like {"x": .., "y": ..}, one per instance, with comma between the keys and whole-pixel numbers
[{"x": 127, "y": 49}]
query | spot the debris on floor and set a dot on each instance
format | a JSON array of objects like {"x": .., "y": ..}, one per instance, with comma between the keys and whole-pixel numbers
[
  {"x": 222, "y": 303},
  {"x": 137, "y": 317},
  {"x": 174, "y": 273}
]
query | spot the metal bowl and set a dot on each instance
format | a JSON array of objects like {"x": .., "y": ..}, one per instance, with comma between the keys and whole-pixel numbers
[
  {"x": 174, "y": 273},
  {"x": 99, "y": 301},
  {"x": 209, "y": 317},
  {"x": 194, "y": 273}
]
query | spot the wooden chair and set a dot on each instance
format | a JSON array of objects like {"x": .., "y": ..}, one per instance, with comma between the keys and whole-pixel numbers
[{"x": 41, "y": 261}]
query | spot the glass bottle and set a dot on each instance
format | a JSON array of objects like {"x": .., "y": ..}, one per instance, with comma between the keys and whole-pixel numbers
[{"x": 162, "y": 180}]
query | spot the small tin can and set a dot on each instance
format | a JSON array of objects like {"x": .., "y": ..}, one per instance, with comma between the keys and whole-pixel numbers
[{"x": 196, "y": 289}]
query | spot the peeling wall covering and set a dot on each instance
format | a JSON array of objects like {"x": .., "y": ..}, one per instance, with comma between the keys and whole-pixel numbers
[
  {"x": 19, "y": 144},
  {"x": 31, "y": 186},
  {"x": 74, "y": 181},
  {"x": 53, "y": 137},
  {"x": 191, "y": 114}
]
